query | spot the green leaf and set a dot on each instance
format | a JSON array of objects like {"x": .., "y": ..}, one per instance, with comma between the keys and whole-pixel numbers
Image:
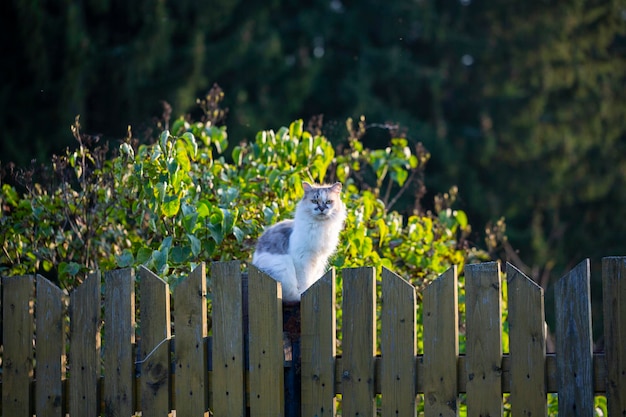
[
  {"x": 10, "y": 195},
  {"x": 238, "y": 156},
  {"x": 399, "y": 175},
  {"x": 143, "y": 255},
  {"x": 195, "y": 244},
  {"x": 126, "y": 259},
  {"x": 230, "y": 217},
  {"x": 217, "y": 215},
  {"x": 203, "y": 208},
  {"x": 178, "y": 125},
  {"x": 180, "y": 255},
  {"x": 383, "y": 229},
  {"x": 170, "y": 206},
  {"x": 295, "y": 129},
  {"x": 239, "y": 234},
  {"x": 160, "y": 190},
  {"x": 68, "y": 269},
  {"x": 164, "y": 138},
  {"x": 47, "y": 265},
  {"x": 166, "y": 244},
  {"x": 182, "y": 156},
  {"x": 192, "y": 145},
  {"x": 229, "y": 195},
  {"x": 189, "y": 222},
  {"x": 219, "y": 138},
  {"x": 172, "y": 166},
  {"x": 461, "y": 218},
  {"x": 216, "y": 232}
]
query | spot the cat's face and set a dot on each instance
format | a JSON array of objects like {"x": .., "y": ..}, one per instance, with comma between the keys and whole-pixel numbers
[{"x": 322, "y": 202}]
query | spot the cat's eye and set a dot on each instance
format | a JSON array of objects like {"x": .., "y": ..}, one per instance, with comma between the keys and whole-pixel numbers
[{"x": 329, "y": 201}]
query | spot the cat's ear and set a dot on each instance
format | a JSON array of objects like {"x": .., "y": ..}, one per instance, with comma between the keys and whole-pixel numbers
[
  {"x": 307, "y": 187},
  {"x": 336, "y": 187}
]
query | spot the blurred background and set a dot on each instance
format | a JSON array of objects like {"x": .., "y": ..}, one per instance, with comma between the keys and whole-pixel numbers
[{"x": 522, "y": 105}]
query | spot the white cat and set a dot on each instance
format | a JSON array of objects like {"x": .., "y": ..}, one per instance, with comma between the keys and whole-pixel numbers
[{"x": 295, "y": 252}]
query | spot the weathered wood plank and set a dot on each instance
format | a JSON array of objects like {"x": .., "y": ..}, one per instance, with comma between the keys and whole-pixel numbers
[
  {"x": 441, "y": 346},
  {"x": 84, "y": 359},
  {"x": 614, "y": 295},
  {"x": 574, "y": 344},
  {"x": 398, "y": 346},
  {"x": 154, "y": 346},
  {"x": 319, "y": 348},
  {"x": 527, "y": 343},
  {"x": 119, "y": 328},
  {"x": 359, "y": 342},
  {"x": 17, "y": 356},
  {"x": 599, "y": 374},
  {"x": 265, "y": 332},
  {"x": 190, "y": 321},
  {"x": 50, "y": 349},
  {"x": 228, "y": 383},
  {"x": 484, "y": 339}
]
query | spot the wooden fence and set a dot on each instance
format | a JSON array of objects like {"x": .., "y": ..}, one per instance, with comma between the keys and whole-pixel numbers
[{"x": 169, "y": 362}]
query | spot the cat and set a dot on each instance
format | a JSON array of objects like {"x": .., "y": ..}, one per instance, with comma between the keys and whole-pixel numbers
[{"x": 295, "y": 252}]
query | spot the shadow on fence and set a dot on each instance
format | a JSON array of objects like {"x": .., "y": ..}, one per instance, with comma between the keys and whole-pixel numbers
[{"x": 266, "y": 359}]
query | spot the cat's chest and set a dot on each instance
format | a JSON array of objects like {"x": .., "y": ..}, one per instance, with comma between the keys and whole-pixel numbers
[{"x": 312, "y": 238}]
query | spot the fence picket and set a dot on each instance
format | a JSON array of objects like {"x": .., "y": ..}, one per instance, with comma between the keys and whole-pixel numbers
[
  {"x": 484, "y": 339},
  {"x": 17, "y": 359},
  {"x": 319, "y": 348},
  {"x": 527, "y": 343},
  {"x": 398, "y": 346},
  {"x": 614, "y": 294},
  {"x": 265, "y": 332},
  {"x": 154, "y": 346},
  {"x": 85, "y": 347},
  {"x": 229, "y": 388},
  {"x": 483, "y": 373},
  {"x": 441, "y": 346},
  {"x": 190, "y": 321},
  {"x": 359, "y": 342},
  {"x": 119, "y": 326},
  {"x": 50, "y": 352},
  {"x": 574, "y": 342}
]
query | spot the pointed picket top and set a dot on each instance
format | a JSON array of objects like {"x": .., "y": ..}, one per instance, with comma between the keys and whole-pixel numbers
[
  {"x": 574, "y": 344},
  {"x": 145, "y": 274},
  {"x": 229, "y": 388},
  {"x": 484, "y": 339},
  {"x": 527, "y": 343},
  {"x": 119, "y": 327},
  {"x": 190, "y": 320},
  {"x": 18, "y": 358},
  {"x": 49, "y": 344},
  {"x": 441, "y": 347},
  {"x": 398, "y": 346},
  {"x": 319, "y": 349},
  {"x": 359, "y": 341},
  {"x": 154, "y": 346},
  {"x": 265, "y": 330},
  {"x": 84, "y": 360}
]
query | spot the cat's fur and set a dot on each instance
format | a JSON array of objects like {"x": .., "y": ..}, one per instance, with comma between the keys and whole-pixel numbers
[{"x": 295, "y": 252}]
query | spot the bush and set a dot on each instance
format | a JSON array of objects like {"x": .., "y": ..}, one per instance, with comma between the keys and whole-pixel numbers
[{"x": 183, "y": 199}]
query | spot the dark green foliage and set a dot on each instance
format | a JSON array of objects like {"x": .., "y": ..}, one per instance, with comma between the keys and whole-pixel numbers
[{"x": 520, "y": 104}]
